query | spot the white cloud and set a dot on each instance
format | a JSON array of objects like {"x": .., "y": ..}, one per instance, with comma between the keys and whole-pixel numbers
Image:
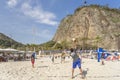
[
  {"x": 39, "y": 14},
  {"x": 35, "y": 12},
  {"x": 12, "y": 3}
]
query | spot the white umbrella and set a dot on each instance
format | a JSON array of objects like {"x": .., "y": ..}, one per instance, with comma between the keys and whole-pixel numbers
[
  {"x": 2, "y": 49},
  {"x": 11, "y": 50}
]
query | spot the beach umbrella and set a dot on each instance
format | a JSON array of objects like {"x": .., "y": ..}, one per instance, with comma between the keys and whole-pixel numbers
[
  {"x": 10, "y": 50},
  {"x": 2, "y": 49}
]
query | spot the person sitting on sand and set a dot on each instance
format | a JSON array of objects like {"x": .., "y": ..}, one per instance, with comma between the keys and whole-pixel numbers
[
  {"x": 119, "y": 57},
  {"x": 63, "y": 56},
  {"x": 103, "y": 57},
  {"x": 76, "y": 61},
  {"x": 33, "y": 59}
]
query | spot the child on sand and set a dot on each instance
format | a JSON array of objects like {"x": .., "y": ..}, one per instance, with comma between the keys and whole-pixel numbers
[{"x": 33, "y": 59}]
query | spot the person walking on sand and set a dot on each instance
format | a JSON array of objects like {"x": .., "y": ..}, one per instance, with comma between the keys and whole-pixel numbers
[
  {"x": 63, "y": 57},
  {"x": 76, "y": 61},
  {"x": 33, "y": 59},
  {"x": 52, "y": 58}
]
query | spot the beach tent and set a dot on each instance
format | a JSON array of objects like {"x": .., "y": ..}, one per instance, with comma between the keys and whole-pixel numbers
[
  {"x": 11, "y": 50},
  {"x": 99, "y": 53},
  {"x": 8, "y": 50},
  {"x": 2, "y": 50}
]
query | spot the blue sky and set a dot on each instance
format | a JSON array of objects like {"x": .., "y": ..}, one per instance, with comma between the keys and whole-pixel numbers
[{"x": 36, "y": 21}]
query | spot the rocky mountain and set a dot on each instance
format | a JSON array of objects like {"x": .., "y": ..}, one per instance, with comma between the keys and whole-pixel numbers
[
  {"x": 7, "y": 42},
  {"x": 91, "y": 26}
]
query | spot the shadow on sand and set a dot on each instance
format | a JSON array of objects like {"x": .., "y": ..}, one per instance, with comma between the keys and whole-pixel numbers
[
  {"x": 85, "y": 72},
  {"x": 42, "y": 66},
  {"x": 83, "y": 75}
]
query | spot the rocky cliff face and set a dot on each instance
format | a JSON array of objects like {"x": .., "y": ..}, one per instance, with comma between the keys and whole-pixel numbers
[{"x": 91, "y": 25}]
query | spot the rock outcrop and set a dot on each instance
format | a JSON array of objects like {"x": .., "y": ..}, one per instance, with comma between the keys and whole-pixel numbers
[{"x": 94, "y": 26}]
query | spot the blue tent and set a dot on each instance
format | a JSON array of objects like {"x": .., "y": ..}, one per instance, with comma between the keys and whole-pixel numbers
[{"x": 100, "y": 51}]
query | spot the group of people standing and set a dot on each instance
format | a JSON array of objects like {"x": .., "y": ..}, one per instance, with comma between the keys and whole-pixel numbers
[{"x": 77, "y": 60}]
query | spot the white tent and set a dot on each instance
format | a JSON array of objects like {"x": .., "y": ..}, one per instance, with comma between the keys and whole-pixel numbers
[{"x": 8, "y": 50}]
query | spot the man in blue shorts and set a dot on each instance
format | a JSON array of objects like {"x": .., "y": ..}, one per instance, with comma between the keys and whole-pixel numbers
[{"x": 76, "y": 61}]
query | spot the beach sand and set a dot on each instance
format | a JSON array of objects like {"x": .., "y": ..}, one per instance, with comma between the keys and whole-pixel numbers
[{"x": 46, "y": 70}]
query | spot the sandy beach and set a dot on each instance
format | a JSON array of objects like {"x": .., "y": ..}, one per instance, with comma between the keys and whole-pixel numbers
[{"x": 46, "y": 70}]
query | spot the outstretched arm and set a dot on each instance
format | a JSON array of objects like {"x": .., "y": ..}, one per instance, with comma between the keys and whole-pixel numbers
[{"x": 79, "y": 56}]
